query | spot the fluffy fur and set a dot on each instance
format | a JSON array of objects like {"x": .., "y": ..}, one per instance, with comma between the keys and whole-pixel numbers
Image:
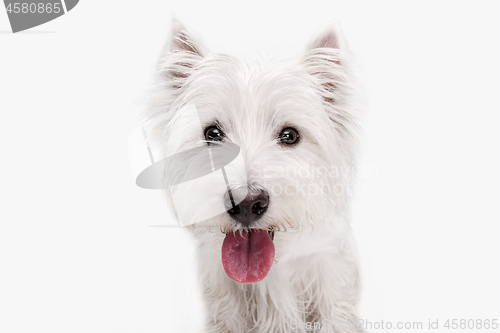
[{"x": 315, "y": 276}]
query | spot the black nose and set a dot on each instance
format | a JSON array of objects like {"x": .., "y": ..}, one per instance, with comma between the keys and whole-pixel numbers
[{"x": 251, "y": 208}]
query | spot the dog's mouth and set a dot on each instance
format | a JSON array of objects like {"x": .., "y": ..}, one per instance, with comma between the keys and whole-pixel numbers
[
  {"x": 271, "y": 234},
  {"x": 247, "y": 255}
]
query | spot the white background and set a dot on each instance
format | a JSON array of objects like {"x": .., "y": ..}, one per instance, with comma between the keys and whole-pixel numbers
[{"x": 77, "y": 250}]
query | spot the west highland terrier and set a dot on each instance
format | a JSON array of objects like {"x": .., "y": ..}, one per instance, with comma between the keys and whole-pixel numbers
[{"x": 271, "y": 216}]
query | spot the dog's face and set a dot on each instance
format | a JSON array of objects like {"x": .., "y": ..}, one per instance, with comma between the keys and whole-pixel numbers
[{"x": 294, "y": 134}]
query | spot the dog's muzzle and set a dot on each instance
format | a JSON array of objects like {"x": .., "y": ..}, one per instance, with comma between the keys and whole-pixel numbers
[{"x": 249, "y": 209}]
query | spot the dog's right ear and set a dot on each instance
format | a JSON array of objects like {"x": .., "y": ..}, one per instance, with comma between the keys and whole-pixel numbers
[
  {"x": 180, "y": 55},
  {"x": 184, "y": 41}
]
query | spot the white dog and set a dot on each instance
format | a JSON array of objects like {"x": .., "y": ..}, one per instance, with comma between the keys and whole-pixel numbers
[{"x": 280, "y": 257}]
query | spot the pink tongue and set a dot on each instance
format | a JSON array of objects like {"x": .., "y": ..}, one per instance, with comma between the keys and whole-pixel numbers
[{"x": 247, "y": 257}]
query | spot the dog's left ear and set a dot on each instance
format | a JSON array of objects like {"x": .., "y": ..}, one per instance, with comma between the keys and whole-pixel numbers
[
  {"x": 326, "y": 59},
  {"x": 180, "y": 55},
  {"x": 329, "y": 38},
  {"x": 323, "y": 60}
]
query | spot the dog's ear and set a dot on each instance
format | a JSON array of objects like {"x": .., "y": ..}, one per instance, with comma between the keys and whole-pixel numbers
[
  {"x": 323, "y": 60},
  {"x": 326, "y": 59},
  {"x": 184, "y": 41},
  {"x": 329, "y": 38},
  {"x": 180, "y": 55}
]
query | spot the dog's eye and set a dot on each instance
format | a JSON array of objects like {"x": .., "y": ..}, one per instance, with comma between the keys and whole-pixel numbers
[
  {"x": 289, "y": 136},
  {"x": 213, "y": 133}
]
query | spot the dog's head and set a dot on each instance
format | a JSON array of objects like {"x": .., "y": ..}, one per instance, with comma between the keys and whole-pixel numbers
[{"x": 294, "y": 130}]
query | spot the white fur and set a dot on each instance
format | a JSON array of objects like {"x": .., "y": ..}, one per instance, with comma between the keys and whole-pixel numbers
[{"x": 315, "y": 276}]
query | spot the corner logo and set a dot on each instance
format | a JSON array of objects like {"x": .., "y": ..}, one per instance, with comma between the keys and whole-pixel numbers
[{"x": 28, "y": 14}]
